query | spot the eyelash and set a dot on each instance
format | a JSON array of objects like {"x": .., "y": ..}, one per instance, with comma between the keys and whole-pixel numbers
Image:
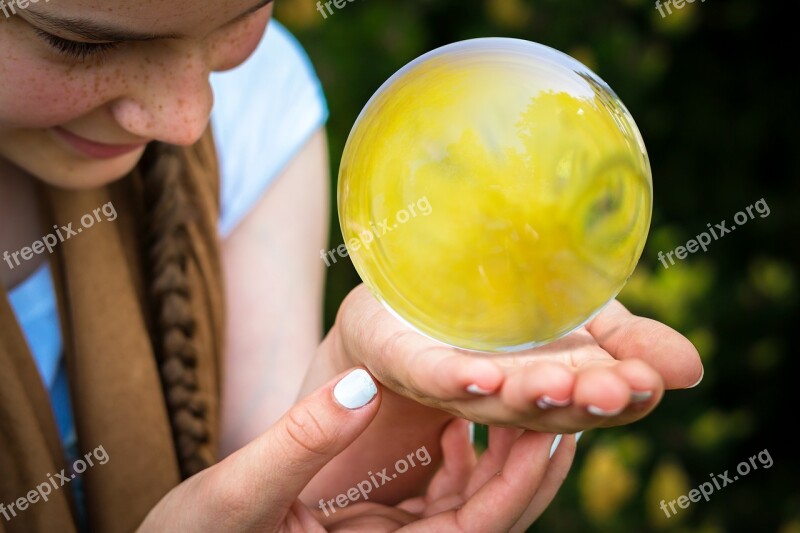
[
  {"x": 81, "y": 51},
  {"x": 75, "y": 49}
]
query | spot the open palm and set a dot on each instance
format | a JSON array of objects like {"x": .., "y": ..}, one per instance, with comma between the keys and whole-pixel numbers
[{"x": 612, "y": 371}]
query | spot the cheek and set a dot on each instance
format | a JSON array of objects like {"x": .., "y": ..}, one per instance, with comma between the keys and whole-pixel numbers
[
  {"x": 44, "y": 95},
  {"x": 233, "y": 47}
]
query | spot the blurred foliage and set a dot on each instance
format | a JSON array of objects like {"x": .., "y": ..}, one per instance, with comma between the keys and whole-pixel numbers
[{"x": 717, "y": 108}]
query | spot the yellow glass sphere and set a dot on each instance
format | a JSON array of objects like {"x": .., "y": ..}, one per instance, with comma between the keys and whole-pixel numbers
[{"x": 495, "y": 194}]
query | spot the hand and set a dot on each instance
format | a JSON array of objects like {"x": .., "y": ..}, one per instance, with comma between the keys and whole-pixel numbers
[
  {"x": 505, "y": 490},
  {"x": 256, "y": 488},
  {"x": 612, "y": 371}
]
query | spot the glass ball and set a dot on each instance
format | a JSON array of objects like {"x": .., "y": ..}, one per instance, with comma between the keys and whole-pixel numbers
[{"x": 495, "y": 194}]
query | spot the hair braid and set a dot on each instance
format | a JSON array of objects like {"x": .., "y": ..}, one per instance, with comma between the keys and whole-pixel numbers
[{"x": 168, "y": 248}]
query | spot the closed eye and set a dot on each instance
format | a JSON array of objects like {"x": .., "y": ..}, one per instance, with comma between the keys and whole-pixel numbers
[{"x": 75, "y": 49}]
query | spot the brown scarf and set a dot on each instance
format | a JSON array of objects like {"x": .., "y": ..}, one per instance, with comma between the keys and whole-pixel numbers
[{"x": 117, "y": 395}]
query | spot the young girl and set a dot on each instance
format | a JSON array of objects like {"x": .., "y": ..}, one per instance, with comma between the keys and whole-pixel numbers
[{"x": 160, "y": 315}]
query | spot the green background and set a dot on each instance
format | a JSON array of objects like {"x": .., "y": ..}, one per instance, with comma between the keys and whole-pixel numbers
[{"x": 717, "y": 109}]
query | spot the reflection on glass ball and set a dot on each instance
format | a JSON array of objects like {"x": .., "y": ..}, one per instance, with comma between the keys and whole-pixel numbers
[{"x": 495, "y": 194}]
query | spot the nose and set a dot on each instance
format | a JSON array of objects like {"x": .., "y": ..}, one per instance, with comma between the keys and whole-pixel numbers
[{"x": 170, "y": 100}]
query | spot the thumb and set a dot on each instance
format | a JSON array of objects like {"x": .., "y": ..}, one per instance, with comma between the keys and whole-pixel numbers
[{"x": 312, "y": 433}]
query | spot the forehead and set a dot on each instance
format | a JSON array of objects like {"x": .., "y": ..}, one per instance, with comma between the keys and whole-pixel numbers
[{"x": 156, "y": 16}]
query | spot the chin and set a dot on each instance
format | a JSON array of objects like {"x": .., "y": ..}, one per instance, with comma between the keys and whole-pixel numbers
[
  {"x": 64, "y": 169},
  {"x": 81, "y": 173}
]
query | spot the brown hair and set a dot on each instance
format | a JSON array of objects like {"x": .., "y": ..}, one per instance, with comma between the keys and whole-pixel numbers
[{"x": 169, "y": 211}]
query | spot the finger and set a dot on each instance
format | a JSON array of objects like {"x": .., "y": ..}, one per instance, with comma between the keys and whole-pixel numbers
[
  {"x": 539, "y": 386},
  {"x": 459, "y": 461},
  {"x": 270, "y": 473},
  {"x": 367, "y": 516},
  {"x": 600, "y": 391},
  {"x": 647, "y": 389},
  {"x": 643, "y": 380},
  {"x": 501, "y": 441},
  {"x": 599, "y": 395},
  {"x": 407, "y": 362},
  {"x": 300, "y": 518},
  {"x": 507, "y": 495},
  {"x": 626, "y": 336},
  {"x": 606, "y": 393},
  {"x": 557, "y": 471}
]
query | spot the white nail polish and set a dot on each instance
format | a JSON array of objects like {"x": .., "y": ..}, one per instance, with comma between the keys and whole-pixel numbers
[
  {"x": 355, "y": 390},
  {"x": 554, "y": 447},
  {"x": 596, "y": 411},
  {"x": 556, "y": 442},
  {"x": 702, "y": 374},
  {"x": 546, "y": 402},
  {"x": 641, "y": 396},
  {"x": 475, "y": 389}
]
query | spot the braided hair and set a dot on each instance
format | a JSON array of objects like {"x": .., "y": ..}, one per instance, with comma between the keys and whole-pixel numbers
[{"x": 167, "y": 246}]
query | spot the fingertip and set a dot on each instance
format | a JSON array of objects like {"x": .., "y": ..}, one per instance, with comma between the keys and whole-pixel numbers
[
  {"x": 545, "y": 384},
  {"x": 479, "y": 378},
  {"x": 602, "y": 392},
  {"x": 642, "y": 379},
  {"x": 702, "y": 375},
  {"x": 626, "y": 336},
  {"x": 356, "y": 389}
]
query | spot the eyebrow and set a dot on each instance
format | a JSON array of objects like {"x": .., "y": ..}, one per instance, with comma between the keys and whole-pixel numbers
[{"x": 94, "y": 31}]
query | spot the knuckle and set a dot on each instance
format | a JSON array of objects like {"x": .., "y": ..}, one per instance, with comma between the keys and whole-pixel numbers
[{"x": 305, "y": 430}]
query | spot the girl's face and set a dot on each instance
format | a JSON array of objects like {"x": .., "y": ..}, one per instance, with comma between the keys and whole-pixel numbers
[{"x": 86, "y": 84}]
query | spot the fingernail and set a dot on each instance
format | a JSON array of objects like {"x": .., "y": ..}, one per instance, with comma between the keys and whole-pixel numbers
[
  {"x": 641, "y": 396},
  {"x": 554, "y": 447},
  {"x": 471, "y": 431},
  {"x": 596, "y": 411},
  {"x": 546, "y": 402},
  {"x": 702, "y": 373},
  {"x": 355, "y": 390},
  {"x": 475, "y": 389}
]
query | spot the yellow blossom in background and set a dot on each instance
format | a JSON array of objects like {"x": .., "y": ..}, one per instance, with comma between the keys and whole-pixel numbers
[
  {"x": 790, "y": 527},
  {"x": 669, "y": 295},
  {"x": 681, "y": 21},
  {"x": 605, "y": 483},
  {"x": 772, "y": 279},
  {"x": 667, "y": 482},
  {"x": 704, "y": 340},
  {"x": 298, "y": 14},
  {"x": 585, "y": 55},
  {"x": 512, "y": 14},
  {"x": 714, "y": 429}
]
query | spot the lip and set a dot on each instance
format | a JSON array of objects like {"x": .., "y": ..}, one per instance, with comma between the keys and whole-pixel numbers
[{"x": 93, "y": 149}]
